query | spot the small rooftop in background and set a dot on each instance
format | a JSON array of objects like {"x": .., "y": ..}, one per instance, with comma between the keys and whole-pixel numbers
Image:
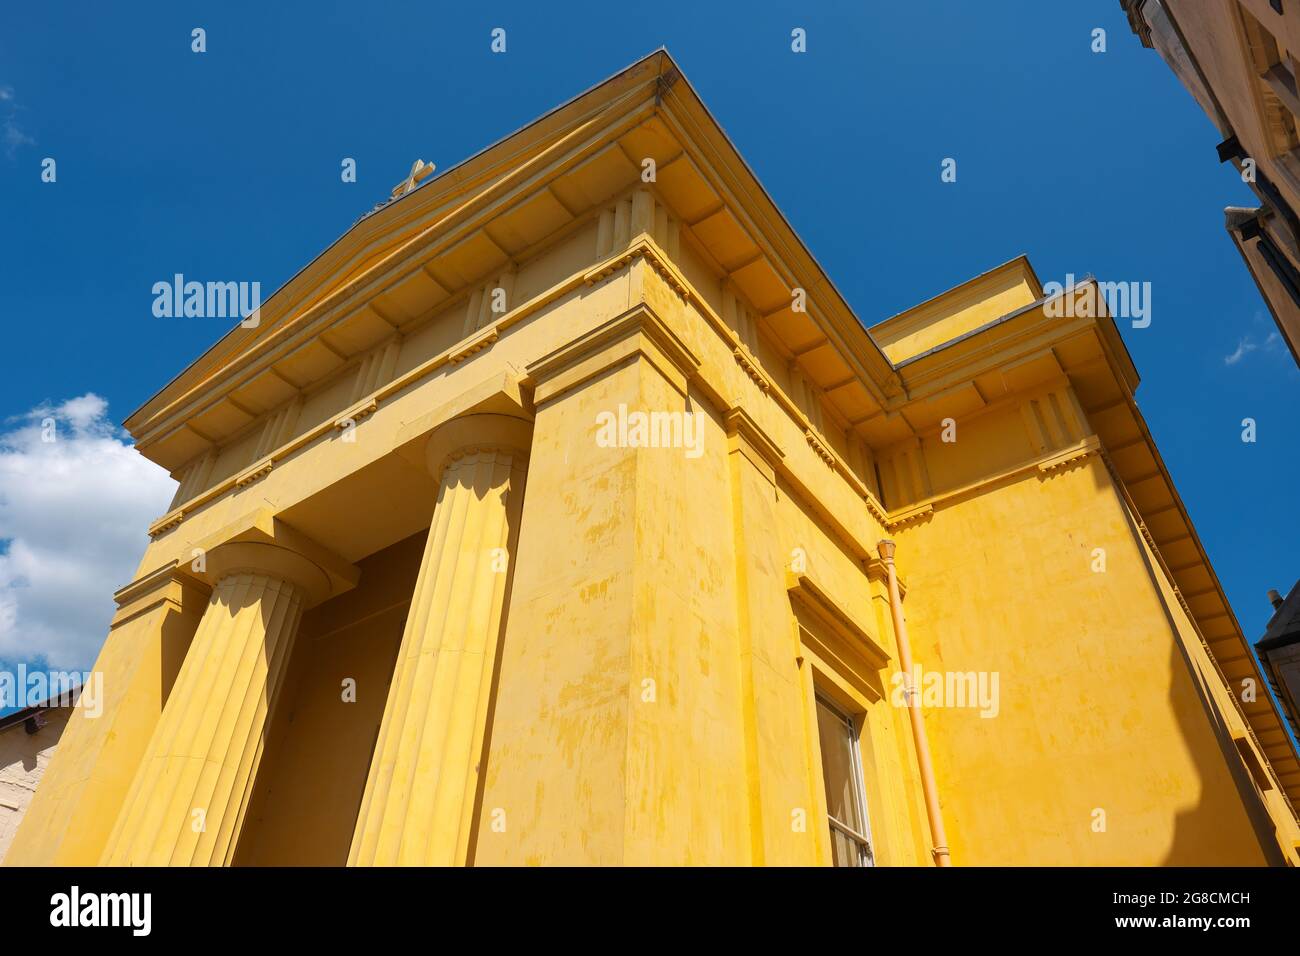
[
  {"x": 1284, "y": 626},
  {"x": 31, "y": 716}
]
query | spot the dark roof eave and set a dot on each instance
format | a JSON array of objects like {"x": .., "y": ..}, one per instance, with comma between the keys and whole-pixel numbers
[
  {"x": 1283, "y": 627},
  {"x": 19, "y": 717}
]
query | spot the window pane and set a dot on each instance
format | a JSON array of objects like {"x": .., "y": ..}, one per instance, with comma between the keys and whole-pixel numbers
[
  {"x": 844, "y": 851},
  {"x": 837, "y": 767}
]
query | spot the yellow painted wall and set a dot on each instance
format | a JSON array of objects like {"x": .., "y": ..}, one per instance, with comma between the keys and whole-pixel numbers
[
  {"x": 1098, "y": 708},
  {"x": 622, "y": 580},
  {"x": 74, "y": 809}
]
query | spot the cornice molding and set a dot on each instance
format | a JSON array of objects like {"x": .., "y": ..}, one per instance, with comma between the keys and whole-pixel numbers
[
  {"x": 749, "y": 438},
  {"x": 643, "y": 248},
  {"x": 1044, "y": 466},
  {"x": 168, "y": 521},
  {"x": 804, "y": 590},
  {"x": 357, "y": 413},
  {"x": 451, "y": 211},
  {"x": 685, "y": 114},
  {"x": 151, "y": 582},
  {"x": 1067, "y": 458},
  {"x": 475, "y": 344},
  {"x": 745, "y": 359},
  {"x": 260, "y": 470},
  {"x": 637, "y": 332},
  {"x": 820, "y": 447},
  {"x": 906, "y": 517},
  {"x": 646, "y": 249}
]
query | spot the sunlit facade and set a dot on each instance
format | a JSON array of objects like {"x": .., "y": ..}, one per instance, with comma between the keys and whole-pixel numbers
[{"x": 562, "y": 512}]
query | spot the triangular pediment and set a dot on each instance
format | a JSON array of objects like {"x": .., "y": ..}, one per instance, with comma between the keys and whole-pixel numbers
[{"x": 408, "y": 258}]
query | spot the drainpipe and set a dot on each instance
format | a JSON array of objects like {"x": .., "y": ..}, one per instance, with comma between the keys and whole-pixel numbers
[{"x": 928, "y": 786}]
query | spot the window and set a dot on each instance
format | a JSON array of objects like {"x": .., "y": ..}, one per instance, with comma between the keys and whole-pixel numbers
[
  {"x": 1276, "y": 75},
  {"x": 846, "y": 803}
]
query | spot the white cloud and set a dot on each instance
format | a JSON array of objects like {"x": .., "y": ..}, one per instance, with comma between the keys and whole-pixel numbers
[
  {"x": 15, "y": 137},
  {"x": 11, "y": 134},
  {"x": 72, "y": 517},
  {"x": 1244, "y": 348},
  {"x": 1248, "y": 343}
]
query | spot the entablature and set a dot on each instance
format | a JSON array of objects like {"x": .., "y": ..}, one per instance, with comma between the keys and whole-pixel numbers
[{"x": 481, "y": 221}]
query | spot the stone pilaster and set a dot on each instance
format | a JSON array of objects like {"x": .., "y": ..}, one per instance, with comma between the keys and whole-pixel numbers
[
  {"x": 187, "y": 800},
  {"x": 418, "y": 807},
  {"x": 91, "y": 771}
]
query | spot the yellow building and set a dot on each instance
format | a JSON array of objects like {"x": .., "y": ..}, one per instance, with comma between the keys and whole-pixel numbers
[{"x": 548, "y": 518}]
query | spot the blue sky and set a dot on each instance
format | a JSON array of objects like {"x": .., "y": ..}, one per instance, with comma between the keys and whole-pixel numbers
[{"x": 225, "y": 165}]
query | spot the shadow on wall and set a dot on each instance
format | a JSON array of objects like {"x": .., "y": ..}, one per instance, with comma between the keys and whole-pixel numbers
[
  {"x": 1194, "y": 806},
  {"x": 1227, "y": 789},
  {"x": 1209, "y": 833},
  {"x": 318, "y": 744},
  {"x": 21, "y": 768}
]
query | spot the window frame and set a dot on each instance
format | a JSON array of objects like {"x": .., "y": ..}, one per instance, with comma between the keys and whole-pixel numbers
[
  {"x": 1268, "y": 86},
  {"x": 866, "y": 850},
  {"x": 844, "y": 663}
]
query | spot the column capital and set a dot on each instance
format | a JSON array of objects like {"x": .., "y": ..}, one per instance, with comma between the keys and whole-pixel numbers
[
  {"x": 478, "y": 432},
  {"x": 261, "y": 543}
]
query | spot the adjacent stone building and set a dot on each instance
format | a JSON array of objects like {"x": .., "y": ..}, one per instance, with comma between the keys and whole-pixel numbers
[
  {"x": 1279, "y": 652},
  {"x": 1238, "y": 59},
  {"x": 27, "y": 741}
]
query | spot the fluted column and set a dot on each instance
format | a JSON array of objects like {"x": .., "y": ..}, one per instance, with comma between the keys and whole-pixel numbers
[
  {"x": 420, "y": 794},
  {"x": 187, "y": 801}
]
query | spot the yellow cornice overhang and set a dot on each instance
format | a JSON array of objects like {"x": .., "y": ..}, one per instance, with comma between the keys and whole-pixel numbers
[
  {"x": 377, "y": 246},
  {"x": 1030, "y": 330},
  {"x": 770, "y": 228},
  {"x": 970, "y": 288},
  {"x": 1024, "y": 331},
  {"x": 415, "y": 214}
]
